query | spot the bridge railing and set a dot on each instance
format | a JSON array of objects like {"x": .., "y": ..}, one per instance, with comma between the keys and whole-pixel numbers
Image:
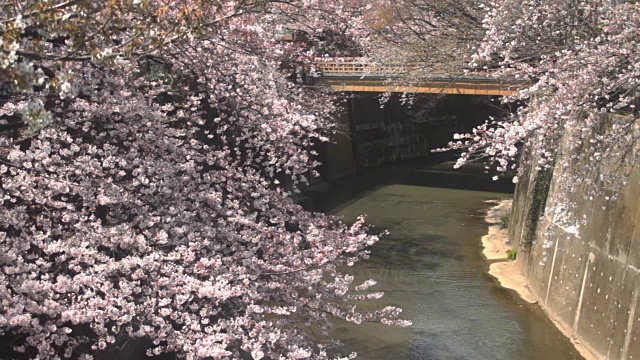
[
  {"x": 345, "y": 66},
  {"x": 355, "y": 75},
  {"x": 353, "y": 66},
  {"x": 357, "y": 67}
]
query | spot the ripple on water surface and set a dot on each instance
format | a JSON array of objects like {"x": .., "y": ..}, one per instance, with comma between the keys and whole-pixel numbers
[{"x": 431, "y": 266}]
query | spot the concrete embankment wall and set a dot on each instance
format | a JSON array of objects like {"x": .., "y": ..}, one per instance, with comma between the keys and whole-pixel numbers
[
  {"x": 587, "y": 278},
  {"x": 372, "y": 135}
]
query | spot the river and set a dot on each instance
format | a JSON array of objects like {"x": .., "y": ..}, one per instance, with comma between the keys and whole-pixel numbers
[{"x": 431, "y": 266}]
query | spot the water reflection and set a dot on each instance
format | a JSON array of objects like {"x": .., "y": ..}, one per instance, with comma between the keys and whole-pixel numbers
[{"x": 431, "y": 266}]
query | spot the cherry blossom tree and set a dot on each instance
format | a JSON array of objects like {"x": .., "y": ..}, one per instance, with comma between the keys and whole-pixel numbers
[
  {"x": 420, "y": 38},
  {"x": 583, "y": 62},
  {"x": 580, "y": 59},
  {"x": 144, "y": 149},
  {"x": 430, "y": 35}
]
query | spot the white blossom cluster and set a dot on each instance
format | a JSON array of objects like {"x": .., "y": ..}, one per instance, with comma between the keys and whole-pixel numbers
[
  {"x": 150, "y": 201},
  {"x": 583, "y": 61}
]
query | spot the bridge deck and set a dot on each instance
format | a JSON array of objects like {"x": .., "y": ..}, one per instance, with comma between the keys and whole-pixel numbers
[{"x": 353, "y": 75}]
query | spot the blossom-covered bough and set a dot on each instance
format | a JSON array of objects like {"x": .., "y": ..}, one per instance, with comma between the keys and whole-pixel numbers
[
  {"x": 583, "y": 60},
  {"x": 143, "y": 145},
  {"x": 581, "y": 57},
  {"x": 431, "y": 35}
]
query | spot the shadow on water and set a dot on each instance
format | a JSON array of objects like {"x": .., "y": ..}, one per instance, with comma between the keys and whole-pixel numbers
[
  {"x": 436, "y": 171},
  {"x": 431, "y": 266}
]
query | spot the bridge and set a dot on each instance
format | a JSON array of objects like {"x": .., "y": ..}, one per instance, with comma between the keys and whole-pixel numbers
[{"x": 351, "y": 74}]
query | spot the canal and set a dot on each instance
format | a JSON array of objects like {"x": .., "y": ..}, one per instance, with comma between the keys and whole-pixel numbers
[{"x": 431, "y": 265}]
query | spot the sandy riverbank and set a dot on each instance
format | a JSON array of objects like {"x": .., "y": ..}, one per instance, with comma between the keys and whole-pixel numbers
[{"x": 496, "y": 244}]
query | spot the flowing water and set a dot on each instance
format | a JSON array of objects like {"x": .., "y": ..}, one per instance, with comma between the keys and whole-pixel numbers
[{"x": 431, "y": 266}]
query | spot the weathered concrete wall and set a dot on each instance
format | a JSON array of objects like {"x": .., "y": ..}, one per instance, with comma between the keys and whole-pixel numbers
[
  {"x": 383, "y": 135},
  {"x": 337, "y": 156},
  {"x": 371, "y": 135},
  {"x": 588, "y": 280},
  {"x": 399, "y": 132}
]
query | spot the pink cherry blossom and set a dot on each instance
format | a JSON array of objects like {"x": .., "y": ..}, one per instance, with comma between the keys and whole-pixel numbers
[{"x": 140, "y": 172}]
